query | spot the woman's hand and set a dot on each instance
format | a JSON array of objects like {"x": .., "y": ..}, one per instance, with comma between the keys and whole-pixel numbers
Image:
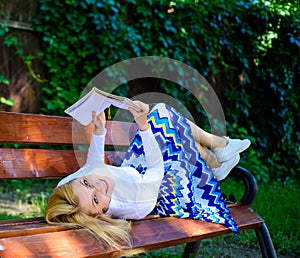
[
  {"x": 99, "y": 122},
  {"x": 141, "y": 117}
]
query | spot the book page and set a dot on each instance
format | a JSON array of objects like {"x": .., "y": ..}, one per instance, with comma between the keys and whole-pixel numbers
[
  {"x": 97, "y": 100},
  {"x": 122, "y": 100}
]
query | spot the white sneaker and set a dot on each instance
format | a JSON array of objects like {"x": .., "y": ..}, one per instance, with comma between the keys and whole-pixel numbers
[
  {"x": 223, "y": 171},
  {"x": 233, "y": 147}
]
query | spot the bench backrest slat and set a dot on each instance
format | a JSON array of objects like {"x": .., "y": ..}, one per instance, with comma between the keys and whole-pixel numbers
[
  {"x": 35, "y": 134},
  {"x": 41, "y": 129},
  {"x": 37, "y": 163},
  {"x": 33, "y": 163}
]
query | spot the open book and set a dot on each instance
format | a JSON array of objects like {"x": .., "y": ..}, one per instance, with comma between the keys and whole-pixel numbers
[{"x": 97, "y": 100}]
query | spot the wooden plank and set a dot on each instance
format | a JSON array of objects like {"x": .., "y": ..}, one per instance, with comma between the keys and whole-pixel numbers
[
  {"x": 36, "y": 163},
  {"x": 75, "y": 243},
  {"x": 25, "y": 91},
  {"x": 31, "y": 226},
  {"x": 36, "y": 129},
  {"x": 41, "y": 129},
  {"x": 17, "y": 24},
  {"x": 146, "y": 235},
  {"x": 41, "y": 163}
]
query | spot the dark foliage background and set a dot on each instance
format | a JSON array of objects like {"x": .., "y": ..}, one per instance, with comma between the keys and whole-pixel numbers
[{"x": 247, "y": 50}]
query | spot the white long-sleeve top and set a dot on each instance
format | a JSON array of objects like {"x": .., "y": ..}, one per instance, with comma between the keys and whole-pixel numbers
[{"x": 134, "y": 195}]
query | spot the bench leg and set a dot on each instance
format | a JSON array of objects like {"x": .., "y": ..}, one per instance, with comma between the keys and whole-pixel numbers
[
  {"x": 191, "y": 249},
  {"x": 265, "y": 241}
]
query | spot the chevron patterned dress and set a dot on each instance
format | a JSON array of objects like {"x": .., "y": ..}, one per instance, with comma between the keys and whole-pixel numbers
[{"x": 189, "y": 189}]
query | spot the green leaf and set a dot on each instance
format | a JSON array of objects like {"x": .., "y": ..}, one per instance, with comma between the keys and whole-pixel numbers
[
  {"x": 4, "y": 80},
  {"x": 8, "y": 102}
]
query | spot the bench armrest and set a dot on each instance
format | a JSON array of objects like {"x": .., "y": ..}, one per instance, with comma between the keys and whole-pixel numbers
[{"x": 249, "y": 182}]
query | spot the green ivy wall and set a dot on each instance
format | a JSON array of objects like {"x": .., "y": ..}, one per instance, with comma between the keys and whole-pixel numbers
[{"x": 247, "y": 50}]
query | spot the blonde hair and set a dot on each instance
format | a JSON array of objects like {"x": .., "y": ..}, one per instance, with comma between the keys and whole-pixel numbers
[{"x": 63, "y": 208}]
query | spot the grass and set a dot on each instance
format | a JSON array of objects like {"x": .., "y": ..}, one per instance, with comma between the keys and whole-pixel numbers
[
  {"x": 279, "y": 205},
  {"x": 24, "y": 198},
  {"x": 5, "y": 216}
]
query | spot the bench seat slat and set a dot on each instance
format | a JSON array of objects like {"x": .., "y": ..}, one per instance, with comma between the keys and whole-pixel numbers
[
  {"x": 146, "y": 234},
  {"x": 30, "y": 226}
]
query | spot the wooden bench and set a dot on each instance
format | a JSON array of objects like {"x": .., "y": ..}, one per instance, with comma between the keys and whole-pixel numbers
[{"x": 35, "y": 238}]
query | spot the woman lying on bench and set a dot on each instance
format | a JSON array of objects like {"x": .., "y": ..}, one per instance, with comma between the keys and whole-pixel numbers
[{"x": 167, "y": 171}]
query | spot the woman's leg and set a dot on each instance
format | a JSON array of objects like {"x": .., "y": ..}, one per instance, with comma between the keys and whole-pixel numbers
[
  {"x": 209, "y": 158},
  {"x": 206, "y": 139},
  {"x": 225, "y": 154}
]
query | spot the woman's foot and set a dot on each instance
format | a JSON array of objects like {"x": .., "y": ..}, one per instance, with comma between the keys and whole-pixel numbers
[
  {"x": 233, "y": 147},
  {"x": 223, "y": 171}
]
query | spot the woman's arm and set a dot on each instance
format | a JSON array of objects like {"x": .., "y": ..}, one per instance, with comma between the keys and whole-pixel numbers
[
  {"x": 154, "y": 159},
  {"x": 96, "y": 148},
  {"x": 141, "y": 116}
]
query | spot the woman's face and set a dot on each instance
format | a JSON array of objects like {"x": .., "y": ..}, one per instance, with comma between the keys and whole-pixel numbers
[{"x": 94, "y": 193}]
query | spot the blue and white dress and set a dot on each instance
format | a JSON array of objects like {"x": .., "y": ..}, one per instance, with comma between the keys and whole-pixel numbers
[{"x": 188, "y": 189}]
